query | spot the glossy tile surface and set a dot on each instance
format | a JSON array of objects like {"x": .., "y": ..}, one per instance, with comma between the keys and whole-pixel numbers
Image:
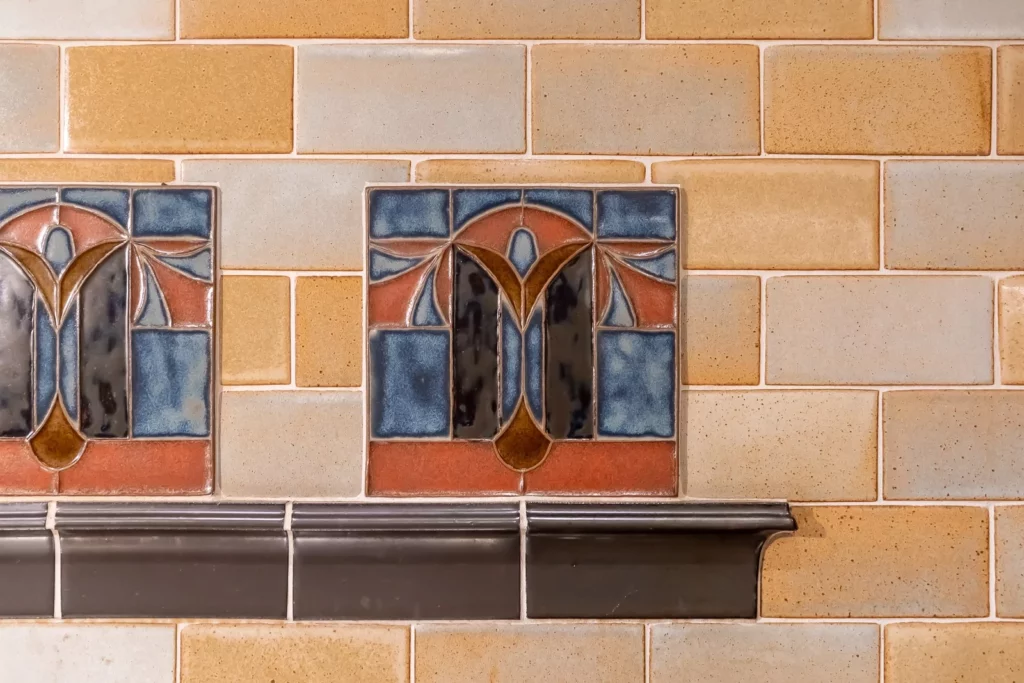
[
  {"x": 30, "y": 113},
  {"x": 27, "y": 562}
]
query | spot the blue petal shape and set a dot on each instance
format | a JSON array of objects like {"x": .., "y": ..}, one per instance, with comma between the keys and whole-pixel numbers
[
  {"x": 69, "y": 362},
  {"x": 577, "y": 204},
  {"x": 534, "y": 357},
  {"x": 59, "y": 249},
  {"x": 113, "y": 203},
  {"x": 662, "y": 266},
  {"x": 13, "y": 201},
  {"x": 171, "y": 383},
  {"x": 46, "y": 362},
  {"x": 154, "y": 312},
  {"x": 168, "y": 212},
  {"x": 425, "y": 313},
  {"x": 198, "y": 265},
  {"x": 511, "y": 364},
  {"x": 408, "y": 213},
  {"x": 636, "y": 214},
  {"x": 636, "y": 384},
  {"x": 410, "y": 390},
  {"x": 522, "y": 250},
  {"x": 385, "y": 265},
  {"x": 472, "y": 203},
  {"x": 619, "y": 314}
]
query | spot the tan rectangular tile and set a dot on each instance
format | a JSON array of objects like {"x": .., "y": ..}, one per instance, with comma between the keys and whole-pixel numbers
[
  {"x": 1010, "y": 561},
  {"x": 645, "y": 99},
  {"x": 879, "y": 561},
  {"x": 515, "y": 653},
  {"x": 69, "y": 170},
  {"x": 953, "y": 444},
  {"x": 1010, "y": 115},
  {"x": 179, "y": 99},
  {"x": 444, "y": 19},
  {"x": 794, "y": 445},
  {"x": 255, "y": 330},
  {"x": 1011, "y": 329},
  {"x": 703, "y": 19},
  {"x": 766, "y": 653},
  {"x": 87, "y": 19},
  {"x": 411, "y": 98},
  {"x": 240, "y": 653},
  {"x": 954, "y": 653},
  {"x": 294, "y": 19},
  {"x": 291, "y": 443},
  {"x": 859, "y": 99},
  {"x": 879, "y": 330},
  {"x": 774, "y": 213},
  {"x": 959, "y": 215},
  {"x": 296, "y": 214},
  {"x": 530, "y": 171},
  {"x": 30, "y": 83},
  {"x": 329, "y": 331},
  {"x": 931, "y": 19},
  {"x": 721, "y": 318}
]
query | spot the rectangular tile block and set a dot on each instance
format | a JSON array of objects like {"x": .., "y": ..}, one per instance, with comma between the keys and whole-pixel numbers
[
  {"x": 649, "y": 99},
  {"x": 721, "y": 319},
  {"x": 239, "y": 653},
  {"x": 877, "y": 100},
  {"x": 528, "y": 171},
  {"x": 27, "y": 562},
  {"x": 30, "y": 82},
  {"x": 584, "y": 19},
  {"x": 931, "y": 19},
  {"x": 767, "y": 653},
  {"x": 953, "y": 444},
  {"x": 875, "y": 561},
  {"x": 329, "y": 331},
  {"x": 179, "y": 99},
  {"x": 411, "y": 98},
  {"x": 1010, "y": 114},
  {"x": 774, "y": 213},
  {"x": 255, "y": 330},
  {"x": 69, "y": 170},
  {"x": 949, "y": 653},
  {"x": 708, "y": 19},
  {"x": 1010, "y": 561},
  {"x": 88, "y": 20},
  {"x": 294, "y": 19},
  {"x": 1011, "y": 329},
  {"x": 879, "y": 330}
]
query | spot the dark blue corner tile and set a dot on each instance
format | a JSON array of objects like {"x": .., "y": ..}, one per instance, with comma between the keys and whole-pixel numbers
[
  {"x": 636, "y": 214},
  {"x": 13, "y": 201},
  {"x": 172, "y": 213},
  {"x": 113, "y": 203},
  {"x": 408, "y": 213},
  {"x": 170, "y": 383},
  {"x": 410, "y": 394},
  {"x": 577, "y": 204},
  {"x": 471, "y": 203},
  {"x": 636, "y": 384}
]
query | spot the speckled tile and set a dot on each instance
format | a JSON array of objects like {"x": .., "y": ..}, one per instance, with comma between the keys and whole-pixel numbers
[
  {"x": 88, "y": 20},
  {"x": 255, "y": 330},
  {"x": 1010, "y": 115},
  {"x": 328, "y": 331},
  {"x": 954, "y": 653},
  {"x": 70, "y": 170},
  {"x": 944, "y": 19},
  {"x": 711, "y": 19},
  {"x": 530, "y": 171},
  {"x": 721, "y": 316},
  {"x": 294, "y": 19},
  {"x": 30, "y": 113},
  {"x": 1011, "y": 329},
  {"x": 578, "y": 19},
  {"x": 1010, "y": 561}
]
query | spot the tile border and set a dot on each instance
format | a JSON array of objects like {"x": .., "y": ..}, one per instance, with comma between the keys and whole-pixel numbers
[{"x": 27, "y": 561}]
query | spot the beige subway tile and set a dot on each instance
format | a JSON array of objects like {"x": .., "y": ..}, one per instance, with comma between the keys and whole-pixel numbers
[
  {"x": 953, "y": 444},
  {"x": 777, "y": 213},
  {"x": 179, "y": 99},
  {"x": 766, "y": 653},
  {"x": 1010, "y": 117},
  {"x": 411, "y": 98},
  {"x": 1011, "y": 329},
  {"x": 517, "y": 653},
  {"x": 94, "y": 653},
  {"x": 721, "y": 323},
  {"x": 530, "y": 171},
  {"x": 1010, "y": 561},
  {"x": 860, "y": 99},
  {"x": 444, "y": 19},
  {"x": 879, "y": 330},
  {"x": 255, "y": 330},
  {"x": 796, "y": 445},
  {"x": 329, "y": 331},
  {"x": 294, "y": 19},
  {"x": 960, "y": 215},
  {"x": 954, "y": 653},
  {"x": 815, "y": 19},
  {"x": 69, "y": 170},
  {"x": 30, "y": 87},
  {"x": 931, "y": 19},
  {"x": 879, "y": 561},
  {"x": 299, "y": 214},
  {"x": 645, "y": 99},
  {"x": 291, "y": 443},
  {"x": 239, "y": 653},
  {"x": 87, "y": 19}
]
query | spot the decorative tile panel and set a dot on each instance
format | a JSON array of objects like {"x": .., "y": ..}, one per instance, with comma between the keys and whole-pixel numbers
[
  {"x": 513, "y": 331},
  {"x": 106, "y": 339}
]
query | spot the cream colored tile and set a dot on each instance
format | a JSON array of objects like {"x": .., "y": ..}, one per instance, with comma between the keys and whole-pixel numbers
[
  {"x": 931, "y": 19},
  {"x": 721, "y": 323},
  {"x": 1010, "y": 117},
  {"x": 1011, "y": 329},
  {"x": 30, "y": 87},
  {"x": 87, "y": 19},
  {"x": 443, "y": 19},
  {"x": 1010, "y": 561},
  {"x": 294, "y": 19},
  {"x": 954, "y": 653},
  {"x": 529, "y": 171},
  {"x": 90, "y": 170},
  {"x": 255, "y": 330},
  {"x": 329, "y": 331},
  {"x": 814, "y": 19}
]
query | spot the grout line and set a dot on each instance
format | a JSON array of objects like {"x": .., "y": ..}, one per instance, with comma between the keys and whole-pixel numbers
[
  {"x": 643, "y": 20},
  {"x": 992, "y": 562},
  {"x": 647, "y": 653},
  {"x": 763, "y": 332},
  {"x": 763, "y": 272},
  {"x": 876, "y": 21},
  {"x": 995, "y": 104},
  {"x": 997, "y": 356},
  {"x": 528, "y": 104},
  {"x": 412, "y": 652},
  {"x": 177, "y": 20},
  {"x": 293, "y": 353},
  {"x": 51, "y": 524},
  {"x": 63, "y": 115},
  {"x": 412, "y": 27},
  {"x": 178, "y": 627},
  {"x": 881, "y": 653},
  {"x": 761, "y": 111},
  {"x": 522, "y": 560},
  {"x": 289, "y": 610},
  {"x": 880, "y": 223},
  {"x": 295, "y": 102},
  {"x": 879, "y": 447}
]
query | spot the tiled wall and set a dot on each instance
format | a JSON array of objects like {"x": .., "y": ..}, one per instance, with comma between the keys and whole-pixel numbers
[{"x": 853, "y": 317}]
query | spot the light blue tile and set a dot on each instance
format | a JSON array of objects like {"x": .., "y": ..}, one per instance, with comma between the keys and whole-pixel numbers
[
  {"x": 46, "y": 362},
  {"x": 408, "y": 213},
  {"x": 385, "y": 265},
  {"x": 69, "y": 362},
  {"x": 170, "y": 383},
  {"x": 410, "y": 390},
  {"x": 511, "y": 364},
  {"x": 154, "y": 310},
  {"x": 522, "y": 250},
  {"x": 425, "y": 314},
  {"x": 198, "y": 265},
  {"x": 577, "y": 204},
  {"x": 113, "y": 203},
  {"x": 636, "y": 384},
  {"x": 662, "y": 266},
  {"x": 636, "y": 214},
  {"x": 533, "y": 354},
  {"x": 619, "y": 314},
  {"x": 13, "y": 201},
  {"x": 172, "y": 213},
  {"x": 59, "y": 248},
  {"x": 472, "y": 203}
]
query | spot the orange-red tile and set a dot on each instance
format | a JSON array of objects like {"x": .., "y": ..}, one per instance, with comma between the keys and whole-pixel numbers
[
  {"x": 21, "y": 473},
  {"x": 158, "y": 468},
  {"x": 437, "y": 468},
  {"x": 607, "y": 468}
]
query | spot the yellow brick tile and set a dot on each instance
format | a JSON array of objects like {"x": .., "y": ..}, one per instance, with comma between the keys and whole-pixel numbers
[
  {"x": 1011, "y": 329},
  {"x": 441, "y": 19},
  {"x": 328, "y": 331},
  {"x": 294, "y": 19},
  {"x": 1010, "y": 561},
  {"x": 65, "y": 170},
  {"x": 255, "y": 330},
  {"x": 180, "y": 99},
  {"x": 1010, "y": 117},
  {"x": 721, "y": 316},
  {"x": 529, "y": 171},
  {"x": 954, "y": 653},
  {"x": 816, "y": 19}
]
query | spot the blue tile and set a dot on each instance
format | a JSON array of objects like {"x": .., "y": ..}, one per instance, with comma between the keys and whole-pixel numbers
[
  {"x": 385, "y": 265},
  {"x": 58, "y": 248},
  {"x": 172, "y": 213},
  {"x": 620, "y": 313},
  {"x": 46, "y": 362},
  {"x": 69, "y": 362},
  {"x": 662, "y": 266},
  {"x": 522, "y": 250},
  {"x": 472, "y": 203},
  {"x": 410, "y": 394},
  {"x": 577, "y": 204},
  {"x": 113, "y": 203},
  {"x": 13, "y": 201},
  {"x": 511, "y": 364},
  {"x": 408, "y": 213},
  {"x": 198, "y": 265},
  {"x": 425, "y": 313},
  {"x": 170, "y": 383},
  {"x": 636, "y": 214},
  {"x": 636, "y": 384},
  {"x": 533, "y": 354}
]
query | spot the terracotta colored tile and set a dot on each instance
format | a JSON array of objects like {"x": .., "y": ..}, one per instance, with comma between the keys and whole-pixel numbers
[
  {"x": 71, "y": 170},
  {"x": 950, "y": 653},
  {"x": 437, "y": 468},
  {"x": 876, "y": 561},
  {"x": 183, "y": 99},
  {"x": 816, "y": 19},
  {"x": 721, "y": 323},
  {"x": 777, "y": 213},
  {"x": 294, "y": 19},
  {"x": 645, "y": 99},
  {"x": 328, "y": 331},
  {"x": 88, "y": 20},
  {"x": 1010, "y": 117},
  {"x": 294, "y": 654},
  {"x": 255, "y": 330},
  {"x": 411, "y": 98},
  {"x": 21, "y": 473},
  {"x": 143, "y": 468},
  {"x": 929, "y": 19},
  {"x": 877, "y": 100},
  {"x": 1011, "y": 329},
  {"x": 442, "y": 19},
  {"x": 30, "y": 83},
  {"x": 607, "y": 468},
  {"x": 1010, "y": 561},
  {"x": 529, "y": 171},
  {"x": 769, "y": 444}
]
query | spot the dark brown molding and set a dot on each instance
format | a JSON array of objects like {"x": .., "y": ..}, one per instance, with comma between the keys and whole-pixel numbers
[{"x": 26, "y": 561}]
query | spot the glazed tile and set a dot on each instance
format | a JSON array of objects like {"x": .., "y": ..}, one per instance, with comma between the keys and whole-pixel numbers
[
  {"x": 529, "y": 171},
  {"x": 27, "y": 562},
  {"x": 721, "y": 316},
  {"x": 294, "y": 19},
  {"x": 1009, "y": 542},
  {"x": 1011, "y": 329},
  {"x": 30, "y": 115},
  {"x": 88, "y": 20},
  {"x": 1009, "y": 119},
  {"x": 578, "y": 19},
  {"x": 709, "y": 19},
  {"x": 944, "y": 19},
  {"x": 256, "y": 330},
  {"x": 50, "y": 170},
  {"x": 328, "y": 331},
  {"x": 949, "y": 653}
]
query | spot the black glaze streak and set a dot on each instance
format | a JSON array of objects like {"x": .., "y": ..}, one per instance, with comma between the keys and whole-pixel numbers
[
  {"x": 104, "y": 371},
  {"x": 475, "y": 352},
  {"x": 570, "y": 357},
  {"x": 16, "y": 324}
]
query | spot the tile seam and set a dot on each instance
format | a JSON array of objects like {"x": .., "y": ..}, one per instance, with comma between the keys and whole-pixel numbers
[
  {"x": 413, "y": 42},
  {"x": 290, "y": 605},
  {"x": 992, "y": 604},
  {"x": 178, "y": 627},
  {"x": 292, "y": 326},
  {"x": 880, "y": 446},
  {"x": 412, "y": 652},
  {"x": 417, "y": 157}
]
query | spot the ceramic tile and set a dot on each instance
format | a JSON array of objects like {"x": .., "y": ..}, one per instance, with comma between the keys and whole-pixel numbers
[
  {"x": 110, "y": 323},
  {"x": 1011, "y": 329},
  {"x": 88, "y": 20},
  {"x": 944, "y": 19},
  {"x": 294, "y": 19},
  {"x": 255, "y": 330},
  {"x": 1009, "y": 542},
  {"x": 27, "y": 561},
  {"x": 1010, "y": 86},
  {"x": 328, "y": 331},
  {"x": 721, "y": 317},
  {"x": 951, "y": 653},
  {"x": 65, "y": 170},
  {"x": 528, "y": 171},
  {"x": 580, "y": 19},
  {"x": 519, "y": 320},
  {"x": 710, "y": 19},
  {"x": 30, "y": 114}
]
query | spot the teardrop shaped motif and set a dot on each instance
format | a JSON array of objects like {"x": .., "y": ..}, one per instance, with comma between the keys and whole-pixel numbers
[
  {"x": 522, "y": 445},
  {"x": 57, "y": 444}
]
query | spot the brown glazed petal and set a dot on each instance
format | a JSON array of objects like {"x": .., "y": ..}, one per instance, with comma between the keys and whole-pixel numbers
[
  {"x": 38, "y": 271},
  {"x": 503, "y": 273},
  {"x": 57, "y": 444},
  {"x": 522, "y": 445},
  {"x": 80, "y": 269},
  {"x": 542, "y": 272}
]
